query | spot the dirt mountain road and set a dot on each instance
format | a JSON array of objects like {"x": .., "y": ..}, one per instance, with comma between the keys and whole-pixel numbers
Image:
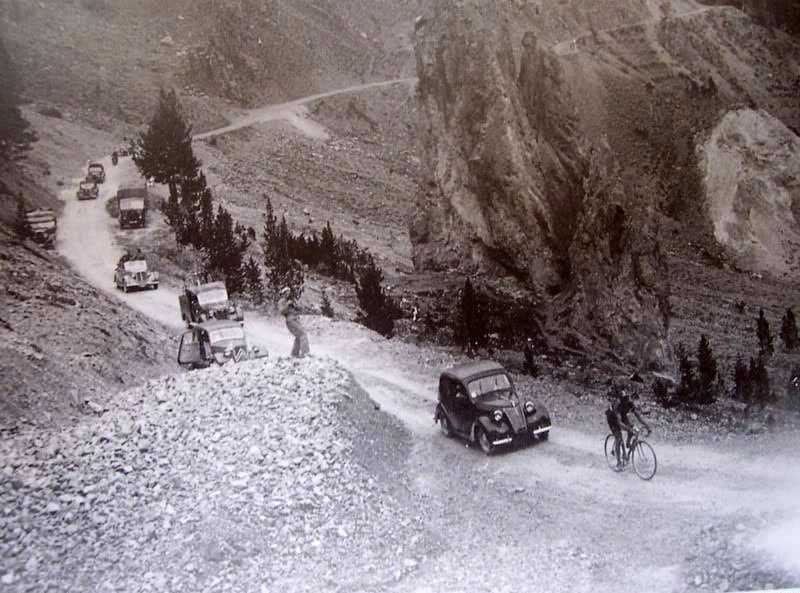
[
  {"x": 552, "y": 516},
  {"x": 293, "y": 112}
]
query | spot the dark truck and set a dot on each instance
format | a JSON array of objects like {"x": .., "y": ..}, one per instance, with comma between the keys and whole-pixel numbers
[{"x": 132, "y": 204}]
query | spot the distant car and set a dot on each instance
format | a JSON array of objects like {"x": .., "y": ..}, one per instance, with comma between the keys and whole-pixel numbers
[
  {"x": 216, "y": 341},
  {"x": 479, "y": 402},
  {"x": 96, "y": 172},
  {"x": 88, "y": 190},
  {"x": 42, "y": 224},
  {"x": 207, "y": 301},
  {"x": 133, "y": 274}
]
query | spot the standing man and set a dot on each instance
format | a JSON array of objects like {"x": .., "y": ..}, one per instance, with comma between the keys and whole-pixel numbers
[{"x": 288, "y": 308}]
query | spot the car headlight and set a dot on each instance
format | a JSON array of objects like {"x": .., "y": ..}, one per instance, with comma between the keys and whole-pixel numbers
[
  {"x": 497, "y": 416},
  {"x": 529, "y": 408}
]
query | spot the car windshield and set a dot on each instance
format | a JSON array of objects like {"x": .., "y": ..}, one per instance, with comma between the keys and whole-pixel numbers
[
  {"x": 95, "y": 168},
  {"x": 136, "y": 266},
  {"x": 488, "y": 384},
  {"x": 212, "y": 297},
  {"x": 87, "y": 185},
  {"x": 131, "y": 204},
  {"x": 226, "y": 333},
  {"x": 42, "y": 226}
]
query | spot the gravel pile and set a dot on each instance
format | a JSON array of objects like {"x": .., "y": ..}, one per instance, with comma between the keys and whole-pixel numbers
[
  {"x": 242, "y": 478},
  {"x": 724, "y": 559}
]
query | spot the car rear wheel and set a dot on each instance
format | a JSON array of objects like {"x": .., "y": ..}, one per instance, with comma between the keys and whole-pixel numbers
[
  {"x": 543, "y": 436},
  {"x": 444, "y": 426},
  {"x": 483, "y": 441}
]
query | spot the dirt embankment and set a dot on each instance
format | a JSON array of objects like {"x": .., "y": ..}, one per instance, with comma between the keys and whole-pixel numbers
[{"x": 62, "y": 341}]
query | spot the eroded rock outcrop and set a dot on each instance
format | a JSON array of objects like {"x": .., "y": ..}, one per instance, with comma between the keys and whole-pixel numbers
[{"x": 511, "y": 188}]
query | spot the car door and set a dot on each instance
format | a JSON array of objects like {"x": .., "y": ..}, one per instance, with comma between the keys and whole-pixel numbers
[
  {"x": 463, "y": 410},
  {"x": 189, "y": 352}
]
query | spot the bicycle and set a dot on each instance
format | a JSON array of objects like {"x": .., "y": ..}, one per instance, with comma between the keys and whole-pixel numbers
[{"x": 640, "y": 453}]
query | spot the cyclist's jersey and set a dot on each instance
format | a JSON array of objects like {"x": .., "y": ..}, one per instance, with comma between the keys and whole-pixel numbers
[{"x": 623, "y": 409}]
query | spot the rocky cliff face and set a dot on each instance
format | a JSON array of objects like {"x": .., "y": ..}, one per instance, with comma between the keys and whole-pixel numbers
[{"x": 511, "y": 188}]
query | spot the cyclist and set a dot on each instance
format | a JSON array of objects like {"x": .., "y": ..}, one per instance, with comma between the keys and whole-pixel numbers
[{"x": 618, "y": 417}]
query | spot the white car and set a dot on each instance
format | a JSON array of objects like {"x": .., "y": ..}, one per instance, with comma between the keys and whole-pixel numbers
[{"x": 133, "y": 274}]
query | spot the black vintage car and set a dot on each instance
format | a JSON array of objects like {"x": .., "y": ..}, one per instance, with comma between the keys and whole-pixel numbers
[
  {"x": 478, "y": 402},
  {"x": 207, "y": 301},
  {"x": 88, "y": 190},
  {"x": 217, "y": 342},
  {"x": 42, "y": 225}
]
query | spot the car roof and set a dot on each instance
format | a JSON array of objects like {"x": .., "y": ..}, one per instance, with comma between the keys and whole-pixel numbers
[
  {"x": 96, "y": 165},
  {"x": 205, "y": 287},
  {"x": 214, "y": 324},
  {"x": 466, "y": 371}
]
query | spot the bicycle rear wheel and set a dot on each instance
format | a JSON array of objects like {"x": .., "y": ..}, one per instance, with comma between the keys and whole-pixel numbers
[
  {"x": 611, "y": 459},
  {"x": 644, "y": 461}
]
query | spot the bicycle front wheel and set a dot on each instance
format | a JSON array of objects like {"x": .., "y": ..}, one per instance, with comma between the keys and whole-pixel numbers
[
  {"x": 611, "y": 459},
  {"x": 644, "y": 461}
]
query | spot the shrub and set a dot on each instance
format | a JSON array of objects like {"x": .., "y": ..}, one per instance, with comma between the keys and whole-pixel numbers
[
  {"x": 325, "y": 306},
  {"x": 764, "y": 335},
  {"x": 789, "y": 330}
]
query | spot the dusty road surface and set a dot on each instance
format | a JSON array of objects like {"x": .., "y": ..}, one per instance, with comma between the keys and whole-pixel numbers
[{"x": 552, "y": 517}]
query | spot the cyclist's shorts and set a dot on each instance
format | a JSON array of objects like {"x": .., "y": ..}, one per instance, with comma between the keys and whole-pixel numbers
[{"x": 613, "y": 423}]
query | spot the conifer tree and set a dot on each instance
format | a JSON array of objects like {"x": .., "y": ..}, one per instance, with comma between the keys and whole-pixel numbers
[
  {"x": 789, "y": 330},
  {"x": 13, "y": 127},
  {"x": 759, "y": 375},
  {"x": 21, "y": 227},
  {"x": 327, "y": 247},
  {"x": 164, "y": 150},
  {"x": 378, "y": 310},
  {"x": 707, "y": 372},
  {"x": 688, "y": 383},
  {"x": 764, "y": 335},
  {"x": 255, "y": 286},
  {"x": 743, "y": 386}
]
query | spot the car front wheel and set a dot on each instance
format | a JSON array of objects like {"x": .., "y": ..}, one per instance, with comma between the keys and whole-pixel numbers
[{"x": 483, "y": 441}]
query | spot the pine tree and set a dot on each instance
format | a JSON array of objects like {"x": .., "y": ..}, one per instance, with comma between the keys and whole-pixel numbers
[
  {"x": 743, "y": 386},
  {"x": 269, "y": 237},
  {"x": 470, "y": 329},
  {"x": 707, "y": 372},
  {"x": 255, "y": 287},
  {"x": 328, "y": 249},
  {"x": 764, "y": 335},
  {"x": 225, "y": 254},
  {"x": 325, "y": 307},
  {"x": 378, "y": 310},
  {"x": 789, "y": 330},
  {"x": 759, "y": 375},
  {"x": 13, "y": 126},
  {"x": 280, "y": 267},
  {"x": 164, "y": 150},
  {"x": 688, "y": 383},
  {"x": 21, "y": 227}
]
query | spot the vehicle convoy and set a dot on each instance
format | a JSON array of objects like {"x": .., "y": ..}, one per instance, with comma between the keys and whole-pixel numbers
[
  {"x": 479, "y": 402},
  {"x": 88, "y": 190},
  {"x": 134, "y": 273},
  {"x": 96, "y": 172},
  {"x": 132, "y": 207},
  {"x": 203, "y": 302},
  {"x": 215, "y": 341},
  {"x": 42, "y": 224}
]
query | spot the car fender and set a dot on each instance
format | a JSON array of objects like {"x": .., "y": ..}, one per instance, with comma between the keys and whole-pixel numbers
[{"x": 491, "y": 427}]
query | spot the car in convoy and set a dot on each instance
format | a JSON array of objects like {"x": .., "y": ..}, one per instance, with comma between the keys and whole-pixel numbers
[
  {"x": 134, "y": 274},
  {"x": 42, "y": 224},
  {"x": 96, "y": 172},
  {"x": 202, "y": 302},
  {"x": 88, "y": 190},
  {"x": 215, "y": 341},
  {"x": 132, "y": 207},
  {"x": 479, "y": 402}
]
